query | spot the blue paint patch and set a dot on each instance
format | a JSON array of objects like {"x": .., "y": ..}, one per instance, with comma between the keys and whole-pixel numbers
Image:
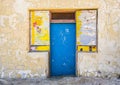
[{"x": 85, "y": 39}]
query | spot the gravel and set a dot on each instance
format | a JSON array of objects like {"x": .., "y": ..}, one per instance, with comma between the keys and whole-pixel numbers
[{"x": 60, "y": 81}]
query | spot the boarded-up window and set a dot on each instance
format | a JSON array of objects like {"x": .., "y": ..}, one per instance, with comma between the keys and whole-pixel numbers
[
  {"x": 86, "y": 25},
  {"x": 39, "y": 31},
  {"x": 86, "y": 29}
]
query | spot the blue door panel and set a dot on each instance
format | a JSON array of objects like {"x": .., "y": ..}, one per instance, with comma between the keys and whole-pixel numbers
[{"x": 62, "y": 49}]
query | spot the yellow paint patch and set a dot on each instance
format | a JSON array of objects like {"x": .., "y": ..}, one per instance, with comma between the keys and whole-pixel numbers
[
  {"x": 86, "y": 48},
  {"x": 94, "y": 49},
  {"x": 45, "y": 37},
  {"x": 78, "y": 26},
  {"x": 83, "y": 48},
  {"x": 42, "y": 48},
  {"x": 32, "y": 28}
]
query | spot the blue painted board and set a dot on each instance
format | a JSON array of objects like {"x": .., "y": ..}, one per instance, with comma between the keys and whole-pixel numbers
[{"x": 62, "y": 49}]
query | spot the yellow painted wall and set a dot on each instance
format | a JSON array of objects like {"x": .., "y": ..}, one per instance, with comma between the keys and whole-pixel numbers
[{"x": 16, "y": 61}]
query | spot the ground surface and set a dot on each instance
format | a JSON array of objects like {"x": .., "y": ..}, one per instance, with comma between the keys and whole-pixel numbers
[{"x": 61, "y": 81}]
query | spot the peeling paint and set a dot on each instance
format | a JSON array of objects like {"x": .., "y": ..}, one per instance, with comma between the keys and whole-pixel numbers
[
  {"x": 2, "y": 72},
  {"x": 12, "y": 21},
  {"x": 16, "y": 61},
  {"x": 24, "y": 73},
  {"x": 21, "y": 7},
  {"x": 2, "y": 22}
]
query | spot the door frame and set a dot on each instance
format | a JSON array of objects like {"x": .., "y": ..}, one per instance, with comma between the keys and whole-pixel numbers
[
  {"x": 76, "y": 53},
  {"x": 62, "y": 10}
]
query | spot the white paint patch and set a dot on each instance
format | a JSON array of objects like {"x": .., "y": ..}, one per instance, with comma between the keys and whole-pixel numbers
[
  {"x": 2, "y": 72},
  {"x": 64, "y": 64},
  {"x": 61, "y": 33},
  {"x": 67, "y": 30},
  {"x": 116, "y": 25},
  {"x": 25, "y": 73},
  {"x": 34, "y": 61},
  {"x": 43, "y": 75},
  {"x": 3, "y": 39},
  {"x": 21, "y": 7},
  {"x": 2, "y": 20},
  {"x": 11, "y": 19},
  {"x": 52, "y": 60},
  {"x": 18, "y": 55},
  {"x": 10, "y": 74},
  {"x": 38, "y": 55},
  {"x": 64, "y": 38}
]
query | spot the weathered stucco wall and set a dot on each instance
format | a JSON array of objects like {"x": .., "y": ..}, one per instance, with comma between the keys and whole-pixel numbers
[{"x": 16, "y": 61}]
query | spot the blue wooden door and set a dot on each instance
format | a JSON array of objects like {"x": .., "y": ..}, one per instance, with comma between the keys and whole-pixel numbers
[{"x": 62, "y": 49}]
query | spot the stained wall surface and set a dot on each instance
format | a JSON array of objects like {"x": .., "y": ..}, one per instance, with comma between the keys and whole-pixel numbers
[{"x": 17, "y": 62}]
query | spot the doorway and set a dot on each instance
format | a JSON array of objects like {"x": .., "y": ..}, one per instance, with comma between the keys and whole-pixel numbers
[{"x": 62, "y": 49}]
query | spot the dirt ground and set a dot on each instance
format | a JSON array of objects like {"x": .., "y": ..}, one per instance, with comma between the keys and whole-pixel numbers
[{"x": 61, "y": 81}]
